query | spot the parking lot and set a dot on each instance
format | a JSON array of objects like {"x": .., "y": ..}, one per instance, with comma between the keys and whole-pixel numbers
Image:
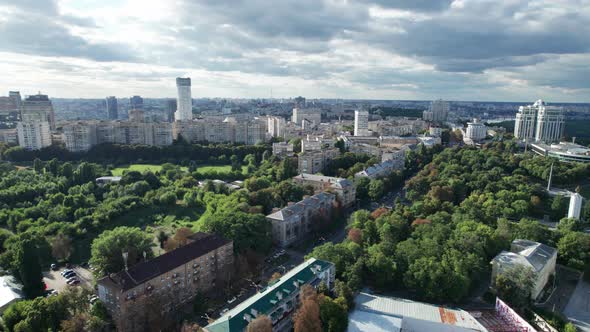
[{"x": 54, "y": 280}]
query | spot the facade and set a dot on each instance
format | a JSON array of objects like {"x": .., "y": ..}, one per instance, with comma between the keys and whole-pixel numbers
[
  {"x": 343, "y": 188},
  {"x": 33, "y": 135},
  {"x": 173, "y": 278},
  {"x": 184, "y": 101},
  {"x": 564, "y": 151},
  {"x": 276, "y": 126},
  {"x": 540, "y": 258},
  {"x": 475, "y": 132},
  {"x": 294, "y": 222},
  {"x": 228, "y": 130},
  {"x": 435, "y": 131},
  {"x": 112, "y": 108},
  {"x": 79, "y": 137},
  {"x": 361, "y": 123},
  {"x": 539, "y": 122},
  {"x": 314, "y": 161},
  {"x": 9, "y": 136},
  {"x": 312, "y": 116},
  {"x": 438, "y": 111},
  {"x": 38, "y": 108},
  {"x": 278, "y": 301},
  {"x": 282, "y": 149},
  {"x": 575, "y": 207}
]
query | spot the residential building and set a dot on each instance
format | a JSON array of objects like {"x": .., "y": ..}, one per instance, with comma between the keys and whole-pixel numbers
[
  {"x": 173, "y": 278},
  {"x": 343, "y": 188},
  {"x": 314, "y": 161},
  {"x": 9, "y": 136},
  {"x": 564, "y": 151},
  {"x": 312, "y": 115},
  {"x": 10, "y": 292},
  {"x": 575, "y": 207},
  {"x": 475, "y": 132},
  {"x": 136, "y": 103},
  {"x": 228, "y": 130},
  {"x": 282, "y": 149},
  {"x": 112, "y": 108},
  {"x": 33, "y": 134},
  {"x": 539, "y": 257},
  {"x": 539, "y": 122},
  {"x": 136, "y": 115},
  {"x": 184, "y": 101},
  {"x": 294, "y": 222},
  {"x": 276, "y": 126},
  {"x": 171, "y": 106},
  {"x": 435, "y": 131},
  {"x": 361, "y": 123},
  {"x": 279, "y": 300},
  {"x": 17, "y": 98},
  {"x": 382, "y": 169},
  {"x": 38, "y": 108},
  {"x": 390, "y": 314},
  {"x": 438, "y": 112},
  {"x": 79, "y": 136}
]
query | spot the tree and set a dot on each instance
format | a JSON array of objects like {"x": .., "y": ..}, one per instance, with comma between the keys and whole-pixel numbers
[
  {"x": 27, "y": 250},
  {"x": 355, "y": 235},
  {"x": 236, "y": 166},
  {"x": 261, "y": 324},
  {"x": 558, "y": 207},
  {"x": 333, "y": 314},
  {"x": 574, "y": 250},
  {"x": 307, "y": 317},
  {"x": 38, "y": 165},
  {"x": 182, "y": 235},
  {"x": 162, "y": 238},
  {"x": 108, "y": 248},
  {"x": 61, "y": 247},
  {"x": 514, "y": 285}
]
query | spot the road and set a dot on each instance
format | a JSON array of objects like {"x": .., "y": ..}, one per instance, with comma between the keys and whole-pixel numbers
[
  {"x": 578, "y": 307},
  {"x": 54, "y": 279}
]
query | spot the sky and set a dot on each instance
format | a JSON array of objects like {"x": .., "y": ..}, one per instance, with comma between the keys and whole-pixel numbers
[{"x": 488, "y": 50}]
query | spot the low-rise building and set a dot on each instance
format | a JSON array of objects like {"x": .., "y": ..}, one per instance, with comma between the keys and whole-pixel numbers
[
  {"x": 278, "y": 301},
  {"x": 564, "y": 151},
  {"x": 174, "y": 278},
  {"x": 382, "y": 169},
  {"x": 343, "y": 188},
  {"x": 540, "y": 258},
  {"x": 10, "y": 292},
  {"x": 294, "y": 222}
]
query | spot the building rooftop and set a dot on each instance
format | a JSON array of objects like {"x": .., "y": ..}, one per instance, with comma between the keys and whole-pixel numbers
[
  {"x": 10, "y": 290},
  {"x": 339, "y": 182},
  {"x": 568, "y": 148},
  {"x": 299, "y": 207},
  {"x": 379, "y": 313},
  {"x": 201, "y": 243},
  {"x": 263, "y": 302},
  {"x": 529, "y": 253}
]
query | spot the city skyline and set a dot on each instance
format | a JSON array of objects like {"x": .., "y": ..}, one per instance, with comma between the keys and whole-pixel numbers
[{"x": 361, "y": 49}]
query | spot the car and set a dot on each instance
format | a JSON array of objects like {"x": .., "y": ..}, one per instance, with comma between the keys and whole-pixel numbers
[
  {"x": 54, "y": 267},
  {"x": 224, "y": 311},
  {"x": 73, "y": 276},
  {"x": 73, "y": 282},
  {"x": 232, "y": 300},
  {"x": 69, "y": 274},
  {"x": 93, "y": 299},
  {"x": 66, "y": 271}
]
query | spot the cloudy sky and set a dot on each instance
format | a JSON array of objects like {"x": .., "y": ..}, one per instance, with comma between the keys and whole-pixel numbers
[{"x": 511, "y": 50}]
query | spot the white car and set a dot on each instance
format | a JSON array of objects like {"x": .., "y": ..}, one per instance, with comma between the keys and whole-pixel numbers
[{"x": 232, "y": 300}]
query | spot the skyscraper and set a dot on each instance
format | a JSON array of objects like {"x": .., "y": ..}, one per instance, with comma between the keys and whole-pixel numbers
[
  {"x": 438, "y": 112},
  {"x": 38, "y": 108},
  {"x": 136, "y": 103},
  {"x": 361, "y": 123},
  {"x": 184, "y": 111},
  {"x": 15, "y": 95},
  {"x": 171, "y": 106},
  {"x": 112, "y": 108},
  {"x": 539, "y": 122}
]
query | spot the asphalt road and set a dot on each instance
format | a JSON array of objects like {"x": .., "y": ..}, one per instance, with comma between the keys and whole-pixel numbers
[{"x": 578, "y": 307}]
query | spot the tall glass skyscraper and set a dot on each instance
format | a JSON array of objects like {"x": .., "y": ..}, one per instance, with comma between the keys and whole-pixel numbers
[
  {"x": 184, "y": 112},
  {"x": 112, "y": 108}
]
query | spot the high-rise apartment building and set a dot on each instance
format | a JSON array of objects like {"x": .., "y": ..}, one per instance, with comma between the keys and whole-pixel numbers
[
  {"x": 15, "y": 95},
  {"x": 112, "y": 108},
  {"x": 276, "y": 126},
  {"x": 79, "y": 136},
  {"x": 312, "y": 116},
  {"x": 185, "y": 102},
  {"x": 136, "y": 115},
  {"x": 38, "y": 108},
  {"x": 361, "y": 123},
  {"x": 438, "y": 112},
  {"x": 539, "y": 122},
  {"x": 33, "y": 134}
]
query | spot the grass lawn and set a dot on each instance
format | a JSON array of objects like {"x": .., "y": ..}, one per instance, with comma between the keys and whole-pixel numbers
[
  {"x": 218, "y": 168},
  {"x": 140, "y": 168}
]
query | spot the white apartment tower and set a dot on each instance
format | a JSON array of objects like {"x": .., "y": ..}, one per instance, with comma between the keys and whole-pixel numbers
[
  {"x": 476, "y": 131},
  {"x": 361, "y": 123},
  {"x": 438, "y": 112},
  {"x": 575, "y": 207},
  {"x": 33, "y": 135},
  {"x": 184, "y": 112},
  {"x": 539, "y": 122}
]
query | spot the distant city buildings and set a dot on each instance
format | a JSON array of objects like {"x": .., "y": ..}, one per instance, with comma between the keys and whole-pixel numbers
[
  {"x": 112, "y": 108},
  {"x": 282, "y": 149},
  {"x": 136, "y": 103},
  {"x": 438, "y": 111},
  {"x": 33, "y": 134},
  {"x": 306, "y": 118},
  {"x": 218, "y": 130},
  {"x": 38, "y": 108},
  {"x": 171, "y": 106},
  {"x": 184, "y": 101},
  {"x": 276, "y": 126},
  {"x": 539, "y": 123},
  {"x": 314, "y": 161},
  {"x": 475, "y": 132},
  {"x": 361, "y": 123}
]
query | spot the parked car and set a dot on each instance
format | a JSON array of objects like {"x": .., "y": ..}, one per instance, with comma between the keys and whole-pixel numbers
[
  {"x": 54, "y": 267},
  {"x": 69, "y": 274},
  {"x": 93, "y": 299},
  {"x": 73, "y": 276},
  {"x": 66, "y": 271},
  {"x": 72, "y": 282},
  {"x": 232, "y": 300},
  {"x": 224, "y": 311}
]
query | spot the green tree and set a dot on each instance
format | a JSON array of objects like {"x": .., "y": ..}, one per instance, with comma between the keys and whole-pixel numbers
[
  {"x": 333, "y": 314},
  {"x": 376, "y": 189},
  {"x": 108, "y": 248},
  {"x": 236, "y": 166},
  {"x": 38, "y": 165},
  {"x": 26, "y": 252},
  {"x": 574, "y": 249},
  {"x": 514, "y": 285}
]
